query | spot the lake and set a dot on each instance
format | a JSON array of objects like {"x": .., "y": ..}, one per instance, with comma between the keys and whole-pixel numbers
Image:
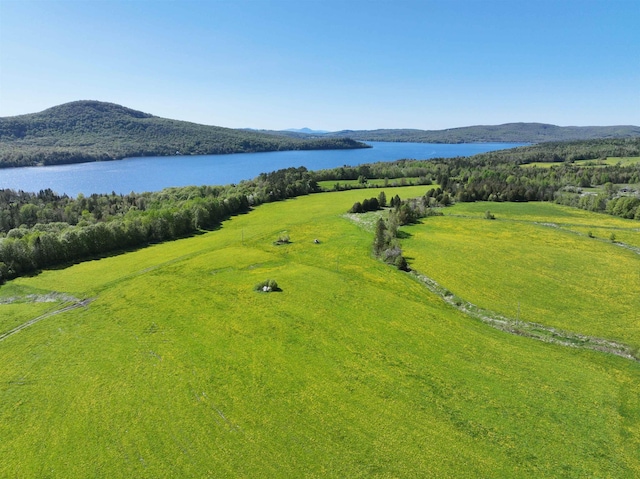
[{"x": 156, "y": 173}]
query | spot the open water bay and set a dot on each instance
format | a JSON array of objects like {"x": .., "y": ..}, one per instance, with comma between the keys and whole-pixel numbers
[{"x": 156, "y": 173}]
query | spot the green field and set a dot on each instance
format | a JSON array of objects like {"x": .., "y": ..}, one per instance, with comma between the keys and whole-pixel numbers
[
  {"x": 329, "y": 185},
  {"x": 537, "y": 261},
  {"x": 178, "y": 368},
  {"x": 610, "y": 161}
]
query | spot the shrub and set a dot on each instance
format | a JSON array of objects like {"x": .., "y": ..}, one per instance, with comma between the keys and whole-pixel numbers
[
  {"x": 283, "y": 239},
  {"x": 401, "y": 263},
  {"x": 267, "y": 286}
]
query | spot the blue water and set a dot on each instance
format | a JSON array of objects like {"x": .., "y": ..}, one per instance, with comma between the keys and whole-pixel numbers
[{"x": 156, "y": 173}]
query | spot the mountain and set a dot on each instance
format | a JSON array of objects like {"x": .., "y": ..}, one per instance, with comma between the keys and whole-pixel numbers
[
  {"x": 508, "y": 132},
  {"x": 307, "y": 131},
  {"x": 84, "y": 131}
]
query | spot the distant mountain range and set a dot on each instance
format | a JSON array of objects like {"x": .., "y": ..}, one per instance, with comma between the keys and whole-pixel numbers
[
  {"x": 507, "y": 133},
  {"x": 84, "y": 131},
  {"x": 307, "y": 131}
]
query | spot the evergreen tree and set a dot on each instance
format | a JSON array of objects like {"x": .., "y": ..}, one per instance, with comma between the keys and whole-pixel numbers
[
  {"x": 380, "y": 240},
  {"x": 382, "y": 199}
]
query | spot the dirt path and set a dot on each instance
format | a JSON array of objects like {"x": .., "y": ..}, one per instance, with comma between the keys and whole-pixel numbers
[{"x": 79, "y": 304}]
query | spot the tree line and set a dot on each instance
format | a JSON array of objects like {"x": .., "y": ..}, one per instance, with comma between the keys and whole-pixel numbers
[{"x": 43, "y": 229}]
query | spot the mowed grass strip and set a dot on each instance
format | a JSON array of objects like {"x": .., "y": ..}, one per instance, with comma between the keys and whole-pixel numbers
[
  {"x": 179, "y": 369},
  {"x": 521, "y": 266}
]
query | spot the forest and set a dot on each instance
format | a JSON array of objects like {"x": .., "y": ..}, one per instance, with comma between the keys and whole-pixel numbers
[
  {"x": 86, "y": 131},
  {"x": 44, "y": 229}
]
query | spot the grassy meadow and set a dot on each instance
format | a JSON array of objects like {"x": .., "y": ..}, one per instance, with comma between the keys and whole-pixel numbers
[
  {"x": 178, "y": 368},
  {"x": 610, "y": 161},
  {"x": 329, "y": 185},
  {"x": 537, "y": 262}
]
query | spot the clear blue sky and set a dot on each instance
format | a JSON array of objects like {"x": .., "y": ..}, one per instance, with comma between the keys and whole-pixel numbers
[{"x": 329, "y": 64}]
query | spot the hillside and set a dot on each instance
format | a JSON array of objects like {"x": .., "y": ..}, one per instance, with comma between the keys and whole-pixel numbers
[
  {"x": 509, "y": 132},
  {"x": 559, "y": 151},
  {"x": 84, "y": 131}
]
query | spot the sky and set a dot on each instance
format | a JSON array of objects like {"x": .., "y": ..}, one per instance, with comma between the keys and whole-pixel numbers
[{"x": 328, "y": 65}]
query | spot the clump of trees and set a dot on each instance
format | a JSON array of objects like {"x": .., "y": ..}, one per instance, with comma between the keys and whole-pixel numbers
[
  {"x": 371, "y": 204},
  {"x": 386, "y": 245}
]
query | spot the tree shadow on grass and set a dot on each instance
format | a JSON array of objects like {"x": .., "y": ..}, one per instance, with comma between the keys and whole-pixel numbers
[{"x": 117, "y": 252}]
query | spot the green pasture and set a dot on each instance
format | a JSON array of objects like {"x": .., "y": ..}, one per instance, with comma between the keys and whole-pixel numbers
[
  {"x": 329, "y": 185},
  {"x": 177, "y": 368},
  {"x": 537, "y": 262},
  {"x": 610, "y": 161}
]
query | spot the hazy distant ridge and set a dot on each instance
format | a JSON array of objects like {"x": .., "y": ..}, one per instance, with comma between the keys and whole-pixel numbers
[
  {"x": 84, "y": 131},
  {"x": 509, "y": 132}
]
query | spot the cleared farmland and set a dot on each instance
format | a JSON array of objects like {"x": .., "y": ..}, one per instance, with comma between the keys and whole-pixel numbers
[
  {"x": 177, "y": 368},
  {"x": 537, "y": 261}
]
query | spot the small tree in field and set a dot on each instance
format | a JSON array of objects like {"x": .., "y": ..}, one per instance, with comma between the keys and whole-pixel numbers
[
  {"x": 382, "y": 199},
  {"x": 356, "y": 208}
]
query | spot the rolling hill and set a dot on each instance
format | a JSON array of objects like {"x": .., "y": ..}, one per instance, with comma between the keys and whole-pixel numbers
[
  {"x": 85, "y": 131},
  {"x": 509, "y": 132}
]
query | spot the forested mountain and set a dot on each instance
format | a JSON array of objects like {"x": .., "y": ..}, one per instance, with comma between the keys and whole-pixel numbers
[
  {"x": 509, "y": 132},
  {"x": 566, "y": 151},
  {"x": 84, "y": 131}
]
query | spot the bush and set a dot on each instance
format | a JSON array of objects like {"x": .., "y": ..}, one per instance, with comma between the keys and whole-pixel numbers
[
  {"x": 283, "y": 239},
  {"x": 267, "y": 286},
  {"x": 401, "y": 263}
]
